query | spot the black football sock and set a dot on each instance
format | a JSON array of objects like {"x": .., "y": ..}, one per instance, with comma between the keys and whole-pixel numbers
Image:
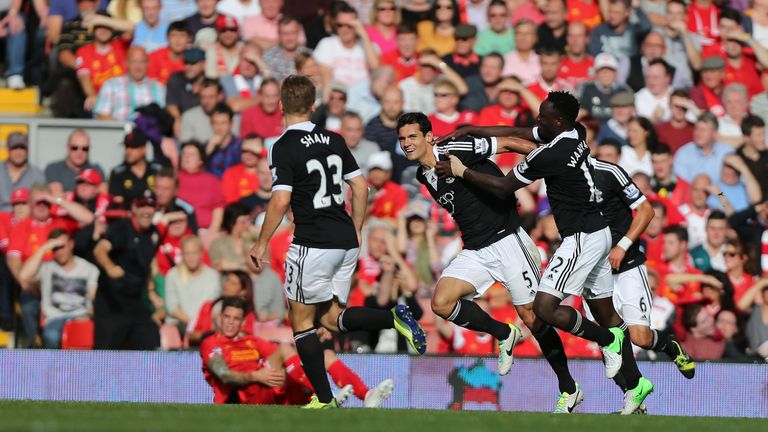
[
  {"x": 552, "y": 348},
  {"x": 363, "y": 318},
  {"x": 621, "y": 382},
  {"x": 469, "y": 315},
  {"x": 313, "y": 362},
  {"x": 629, "y": 365},
  {"x": 663, "y": 343},
  {"x": 586, "y": 329}
]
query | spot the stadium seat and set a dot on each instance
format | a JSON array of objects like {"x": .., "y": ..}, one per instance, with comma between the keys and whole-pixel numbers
[
  {"x": 77, "y": 334},
  {"x": 19, "y": 101},
  {"x": 170, "y": 339}
]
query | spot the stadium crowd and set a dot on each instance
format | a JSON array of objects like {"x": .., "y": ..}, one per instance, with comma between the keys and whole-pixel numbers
[{"x": 675, "y": 93}]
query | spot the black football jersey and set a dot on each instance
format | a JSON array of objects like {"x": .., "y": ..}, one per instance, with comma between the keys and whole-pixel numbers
[
  {"x": 618, "y": 196},
  {"x": 312, "y": 163},
  {"x": 482, "y": 218},
  {"x": 566, "y": 167}
]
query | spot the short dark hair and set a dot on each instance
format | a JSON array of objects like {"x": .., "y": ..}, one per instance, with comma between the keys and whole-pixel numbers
[
  {"x": 340, "y": 7},
  {"x": 751, "y": 122},
  {"x": 550, "y": 50},
  {"x": 668, "y": 69},
  {"x": 708, "y": 117},
  {"x": 269, "y": 81},
  {"x": 234, "y": 302},
  {"x": 456, "y": 20},
  {"x": 661, "y": 148},
  {"x": 197, "y": 146},
  {"x": 497, "y": 3},
  {"x": 418, "y": 118},
  {"x": 731, "y": 14},
  {"x": 231, "y": 213},
  {"x": 58, "y": 232},
  {"x": 626, "y": 3},
  {"x": 610, "y": 142},
  {"x": 681, "y": 93},
  {"x": 690, "y": 313},
  {"x": 168, "y": 172},
  {"x": 494, "y": 55},
  {"x": 678, "y": 231},
  {"x": 287, "y": 19},
  {"x": 680, "y": 2},
  {"x": 405, "y": 28},
  {"x": 223, "y": 108},
  {"x": 178, "y": 26},
  {"x": 565, "y": 104},
  {"x": 716, "y": 215},
  {"x": 656, "y": 204},
  {"x": 210, "y": 82},
  {"x": 297, "y": 95}
]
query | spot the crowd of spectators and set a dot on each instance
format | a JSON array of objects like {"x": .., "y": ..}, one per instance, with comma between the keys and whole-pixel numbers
[{"x": 673, "y": 92}]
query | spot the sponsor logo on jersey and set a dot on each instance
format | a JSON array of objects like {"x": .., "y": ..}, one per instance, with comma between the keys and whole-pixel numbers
[
  {"x": 446, "y": 201},
  {"x": 450, "y": 180}
]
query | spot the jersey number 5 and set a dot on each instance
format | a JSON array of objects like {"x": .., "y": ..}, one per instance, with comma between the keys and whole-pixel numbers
[{"x": 322, "y": 198}]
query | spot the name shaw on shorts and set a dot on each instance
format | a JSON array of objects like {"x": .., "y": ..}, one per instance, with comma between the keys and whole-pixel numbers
[{"x": 316, "y": 138}]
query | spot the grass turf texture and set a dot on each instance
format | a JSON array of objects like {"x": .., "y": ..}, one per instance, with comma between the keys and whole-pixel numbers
[{"x": 82, "y": 416}]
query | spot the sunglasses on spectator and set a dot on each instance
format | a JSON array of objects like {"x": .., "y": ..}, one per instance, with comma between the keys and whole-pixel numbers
[
  {"x": 731, "y": 254},
  {"x": 43, "y": 203},
  {"x": 386, "y": 8},
  {"x": 442, "y": 95},
  {"x": 78, "y": 148}
]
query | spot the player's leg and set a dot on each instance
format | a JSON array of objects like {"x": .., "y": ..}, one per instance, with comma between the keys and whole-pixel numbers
[
  {"x": 337, "y": 318},
  {"x": 310, "y": 349}
]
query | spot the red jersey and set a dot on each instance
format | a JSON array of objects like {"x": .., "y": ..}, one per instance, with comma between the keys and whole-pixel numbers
[
  {"x": 278, "y": 249},
  {"x": 443, "y": 125},
  {"x": 255, "y": 120},
  {"x": 161, "y": 65},
  {"x": 653, "y": 251},
  {"x": 541, "y": 89},
  {"x": 587, "y": 12},
  {"x": 468, "y": 342},
  {"x": 242, "y": 354},
  {"x": 389, "y": 200},
  {"x": 101, "y": 66},
  {"x": 741, "y": 285},
  {"x": 575, "y": 72},
  {"x": 368, "y": 270},
  {"x": 704, "y": 22},
  {"x": 687, "y": 293},
  {"x": 746, "y": 73},
  {"x": 4, "y": 236},
  {"x": 238, "y": 183},
  {"x": 403, "y": 68},
  {"x": 29, "y": 235},
  {"x": 494, "y": 115}
]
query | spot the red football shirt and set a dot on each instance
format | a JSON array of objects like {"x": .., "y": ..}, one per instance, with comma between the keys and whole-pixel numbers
[
  {"x": 403, "y": 68},
  {"x": 242, "y": 354},
  {"x": 101, "y": 66},
  {"x": 575, "y": 72},
  {"x": 255, "y": 120},
  {"x": 389, "y": 200},
  {"x": 161, "y": 65},
  {"x": 443, "y": 125},
  {"x": 238, "y": 182},
  {"x": 29, "y": 235},
  {"x": 687, "y": 293},
  {"x": 704, "y": 22},
  {"x": 587, "y": 12},
  {"x": 494, "y": 116},
  {"x": 468, "y": 342}
]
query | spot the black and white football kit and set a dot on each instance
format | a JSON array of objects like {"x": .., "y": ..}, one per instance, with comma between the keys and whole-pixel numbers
[
  {"x": 617, "y": 197},
  {"x": 580, "y": 265},
  {"x": 312, "y": 163},
  {"x": 496, "y": 248}
]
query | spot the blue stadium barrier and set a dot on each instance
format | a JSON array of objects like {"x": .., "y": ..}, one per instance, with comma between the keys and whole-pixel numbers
[{"x": 719, "y": 389}]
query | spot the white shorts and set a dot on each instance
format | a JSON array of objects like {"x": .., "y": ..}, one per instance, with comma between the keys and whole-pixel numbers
[
  {"x": 514, "y": 261},
  {"x": 580, "y": 267},
  {"x": 318, "y": 275},
  {"x": 632, "y": 297}
]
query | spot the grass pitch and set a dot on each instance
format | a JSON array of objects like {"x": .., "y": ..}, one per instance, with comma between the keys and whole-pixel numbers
[{"x": 77, "y": 416}]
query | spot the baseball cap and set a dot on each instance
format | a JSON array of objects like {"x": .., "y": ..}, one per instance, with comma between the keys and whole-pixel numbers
[
  {"x": 465, "y": 31},
  {"x": 135, "y": 139},
  {"x": 623, "y": 98},
  {"x": 605, "y": 60},
  {"x": 148, "y": 200},
  {"x": 224, "y": 22},
  {"x": 339, "y": 87},
  {"x": 20, "y": 195},
  {"x": 417, "y": 208},
  {"x": 193, "y": 55},
  {"x": 712, "y": 62},
  {"x": 90, "y": 176},
  {"x": 17, "y": 139},
  {"x": 381, "y": 160}
]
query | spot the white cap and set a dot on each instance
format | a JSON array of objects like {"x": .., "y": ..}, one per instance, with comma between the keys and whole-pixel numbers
[
  {"x": 381, "y": 160},
  {"x": 605, "y": 60}
]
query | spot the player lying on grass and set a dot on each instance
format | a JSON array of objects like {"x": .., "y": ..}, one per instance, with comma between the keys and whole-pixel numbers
[
  {"x": 247, "y": 369},
  {"x": 496, "y": 248},
  {"x": 580, "y": 266}
]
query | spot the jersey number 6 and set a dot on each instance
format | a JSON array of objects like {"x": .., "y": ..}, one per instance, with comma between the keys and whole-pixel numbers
[{"x": 322, "y": 199}]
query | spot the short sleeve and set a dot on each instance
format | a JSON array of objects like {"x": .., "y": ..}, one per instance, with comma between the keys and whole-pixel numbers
[
  {"x": 93, "y": 278},
  {"x": 470, "y": 150},
  {"x": 282, "y": 168},
  {"x": 630, "y": 194},
  {"x": 323, "y": 54},
  {"x": 209, "y": 348},
  {"x": 82, "y": 62},
  {"x": 535, "y": 166},
  {"x": 349, "y": 167},
  {"x": 18, "y": 238}
]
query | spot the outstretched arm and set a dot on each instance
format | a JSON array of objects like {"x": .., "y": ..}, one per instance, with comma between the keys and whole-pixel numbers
[
  {"x": 490, "y": 131},
  {"x": 514, "y": 144},
  {"x": 502, "y": 187}
]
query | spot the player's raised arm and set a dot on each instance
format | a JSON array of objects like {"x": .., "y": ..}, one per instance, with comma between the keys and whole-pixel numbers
[
  {"x": 526, "y": 134},
  {"x": 515, "y": 144},
  {"x": 502, "y": 187}
]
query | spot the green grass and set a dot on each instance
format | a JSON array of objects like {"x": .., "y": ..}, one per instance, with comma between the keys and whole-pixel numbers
[{"x": 77, "y": 416}]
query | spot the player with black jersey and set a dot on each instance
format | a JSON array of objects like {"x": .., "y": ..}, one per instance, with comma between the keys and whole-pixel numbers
[
  {"x": 618, "y": 197},
  {"x": 580, "y": 265},
  {"x": 496, "y": 248},
  {"x": 308, "y": 166}
]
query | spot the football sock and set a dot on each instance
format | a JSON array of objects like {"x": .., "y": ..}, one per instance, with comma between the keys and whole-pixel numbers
[
  {"x": 312, "y": 360},
  {"x": 586, "y": 329},
  {"x": 342, "y": 375},
  {"x": 294, "y": 370},
  {"x": 663, "y": 343},
  {"x": 363, "y": 318},
  {"x": 552, "y": 348},
  {"x": 629, "y": 365},
  {"x": 469, "y": 315},
  {"x": 620, "y": 381}
]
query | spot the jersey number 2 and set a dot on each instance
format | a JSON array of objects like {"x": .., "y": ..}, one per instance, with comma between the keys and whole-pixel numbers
[{"x": 322, "y": 198}]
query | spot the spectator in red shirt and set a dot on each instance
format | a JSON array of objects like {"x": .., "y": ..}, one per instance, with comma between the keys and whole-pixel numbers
[
  {"x": 165, "y": 61},
  {"x": 550, "y": 61},
  {"x": 675, "y": 264},
  {"x": 665, "y": 183},
  {"x": 740, "y": 269},
  {"x": 265, "y": 118},
  {"x": 510, "y": 111},
  {"x": 388, "y": 197},
  {"x": 198, "y": 187},
  {"x": 405, "y": 60},
  {"x": 242, "y": 180},
  {"x": 99, "y": 61},
  {"x": 586, "y": 12},
  {"x": 653, "y": 237},
  {"x": 577, "y": 63},
  {"x": 708, "y": 93},
  {"x": 446, "y": 117},
  {"x": 702, "y": 21},
  {"x": 678, "y": 131},
  {"x": 241, "y": 87}
]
